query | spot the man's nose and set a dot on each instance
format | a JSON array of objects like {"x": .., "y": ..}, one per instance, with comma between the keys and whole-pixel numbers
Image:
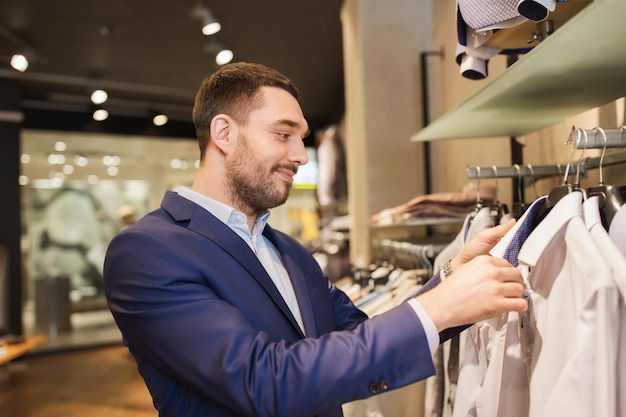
[{"x": 298, "y": 153}]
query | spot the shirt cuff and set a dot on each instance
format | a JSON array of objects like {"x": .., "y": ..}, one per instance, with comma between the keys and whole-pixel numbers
[{"x": 432, "y": 335}]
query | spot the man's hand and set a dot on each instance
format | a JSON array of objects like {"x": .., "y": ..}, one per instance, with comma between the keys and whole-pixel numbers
[
  {"x": 481, "y": 287},
  {"x": 481, "y": 244}
]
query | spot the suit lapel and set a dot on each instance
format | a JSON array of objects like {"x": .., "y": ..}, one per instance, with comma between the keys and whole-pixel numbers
[{"x": 204, "y": 223}]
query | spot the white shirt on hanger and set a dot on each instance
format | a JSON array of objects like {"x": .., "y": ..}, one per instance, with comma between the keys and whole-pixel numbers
[
  {"x": 613, "y": 349},
  {"x": 573, "y": 302},
  {"x": 617, "y": 229},
  {"x": 493, "y": 380},
  {"x": 441, "y": 388}
]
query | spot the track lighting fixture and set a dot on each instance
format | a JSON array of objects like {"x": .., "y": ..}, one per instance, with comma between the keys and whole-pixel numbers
[
  {"x": 210, "y": 26},
  {"x": 19, "y": 62},
  {"x": 25, "y": 54},
  {"x": 100, "y": 115},
  {"x": 159, "y": 119},
  {"x": 224, "y": 56},
  {"x": 99, "y": 96}
]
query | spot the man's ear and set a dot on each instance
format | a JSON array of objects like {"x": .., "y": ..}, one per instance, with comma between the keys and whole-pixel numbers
[{"x": 223, "y": 132}]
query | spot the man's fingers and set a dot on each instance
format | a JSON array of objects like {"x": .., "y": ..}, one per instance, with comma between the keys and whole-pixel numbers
[
  {"x": 515, "y": 304},
  {"x": 512, "y": 289},
  {"x": 483, "y": 242},
  {"x": 492, "y": 235}
]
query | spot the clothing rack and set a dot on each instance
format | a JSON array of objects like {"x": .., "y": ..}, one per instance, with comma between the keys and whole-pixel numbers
[
  {"x": 544, "y": 171},
  {"x": 597, "y": 138},
  {"x": 581, "y": 139},
  {"x": 524, "y": 171},
  {"x": 406, "y": 254}
]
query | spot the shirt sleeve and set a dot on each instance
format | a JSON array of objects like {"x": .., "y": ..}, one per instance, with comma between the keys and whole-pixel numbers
[{"x": 429, "y": 326}]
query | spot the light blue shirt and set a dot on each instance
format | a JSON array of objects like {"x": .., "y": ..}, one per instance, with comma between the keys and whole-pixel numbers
[{"x": 261, "y": 246}]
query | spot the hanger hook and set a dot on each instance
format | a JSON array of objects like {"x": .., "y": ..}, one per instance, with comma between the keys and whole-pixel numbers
[
  {"x": 571, "y": 157},
  {"x": 570, "y": 138},
  {"x": 579, "y": 165},
  {"x": 478, "y": 184},
  {"x": 495, "y": 173},
  {"x": 532, "y": 177},
  {"x": 603, "y": 133},
  {"x": 519, "y": 182}
]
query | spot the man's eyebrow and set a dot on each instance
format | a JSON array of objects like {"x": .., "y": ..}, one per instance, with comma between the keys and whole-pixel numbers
[{"x": 292, "y": 123}]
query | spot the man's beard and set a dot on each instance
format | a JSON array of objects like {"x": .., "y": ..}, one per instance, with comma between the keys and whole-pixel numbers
[{"x": 249, "y": 182}]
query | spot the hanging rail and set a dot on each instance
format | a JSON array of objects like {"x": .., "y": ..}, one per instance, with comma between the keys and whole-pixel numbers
[
  {"x": 581, "y": 139},
  {"x": 597, "y": 138},
  {"x": 517, "y": 171},
  {"x": 406, "y": 254}
]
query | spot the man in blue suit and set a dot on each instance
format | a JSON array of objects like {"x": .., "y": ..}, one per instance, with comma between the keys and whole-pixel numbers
[{"x": 226, "y": 316}]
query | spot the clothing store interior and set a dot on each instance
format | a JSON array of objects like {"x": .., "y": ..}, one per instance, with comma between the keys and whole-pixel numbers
[{"x": 430, "y": 120}]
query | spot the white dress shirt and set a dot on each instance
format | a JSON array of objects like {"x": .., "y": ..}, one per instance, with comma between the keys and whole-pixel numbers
[
  {"x": 573, "y": 301},
  {"x": 561, "y": 356},
  {"x": 613, "y": 349},
  {"x": 493, "y": 380},
  {"x": 441, "y": 388},
  {"x": 617, "y": 229}
]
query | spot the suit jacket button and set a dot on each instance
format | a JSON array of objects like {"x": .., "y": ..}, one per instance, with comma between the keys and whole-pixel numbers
[
  {"x": 384, "y": 384},
  {"x": 374, "y": 388}
]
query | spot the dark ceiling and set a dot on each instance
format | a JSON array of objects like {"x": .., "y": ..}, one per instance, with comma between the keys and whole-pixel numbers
[{"x": 151, "y": 55}]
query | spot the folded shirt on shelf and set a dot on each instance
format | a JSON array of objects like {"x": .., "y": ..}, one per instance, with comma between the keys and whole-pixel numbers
[{"x": 453, "y": 205}]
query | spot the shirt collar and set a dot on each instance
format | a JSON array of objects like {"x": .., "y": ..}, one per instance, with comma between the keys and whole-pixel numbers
[
  {"x": 568, "y": 207},
  {"x": 223, "y": 212},
  {"x": 500, "y": 248}
]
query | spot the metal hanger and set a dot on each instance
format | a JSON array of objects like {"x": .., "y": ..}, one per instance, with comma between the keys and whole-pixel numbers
[
  {"x": 611, "y": 199},
  {"x": 565, "y": 188}
]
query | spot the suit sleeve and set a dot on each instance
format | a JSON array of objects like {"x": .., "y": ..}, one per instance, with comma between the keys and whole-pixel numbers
[{"x": 174, "y": 317}]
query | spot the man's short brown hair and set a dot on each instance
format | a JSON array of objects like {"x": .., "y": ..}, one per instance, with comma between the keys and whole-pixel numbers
[{"x": 234, "y": 90}]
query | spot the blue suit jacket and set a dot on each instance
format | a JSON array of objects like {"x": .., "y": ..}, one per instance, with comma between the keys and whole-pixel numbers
[{"x": 213, "y": 337}]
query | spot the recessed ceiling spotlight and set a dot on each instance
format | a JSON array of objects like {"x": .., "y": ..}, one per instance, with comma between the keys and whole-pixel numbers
[
  {"x": 100, "y": 115},
  {"x": 19, "y": 62},
  {"x": 99, "y": 96},
  {"x": 60, "y": 146},
  {"x": 105, "y": 30},
  {"x": 159, "y": 120}
]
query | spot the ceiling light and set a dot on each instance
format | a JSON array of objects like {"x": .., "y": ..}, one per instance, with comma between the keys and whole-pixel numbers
[
  {"x": 100, "y": 115},
  {"x": 19, "y": 62},
  {"x": 159, "y": 120},
  {"x": 56, "y": 159},
  {"x": 68, "y": 169},
  {"x": 27, "y": 55},
  {"x": 210, "y": 26},
  {"x": 99, "y": 96},
  {"x": 175, "y": 163},
  {"x": 224, "y": 56},
  {"x": 81, "y": 161}
]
